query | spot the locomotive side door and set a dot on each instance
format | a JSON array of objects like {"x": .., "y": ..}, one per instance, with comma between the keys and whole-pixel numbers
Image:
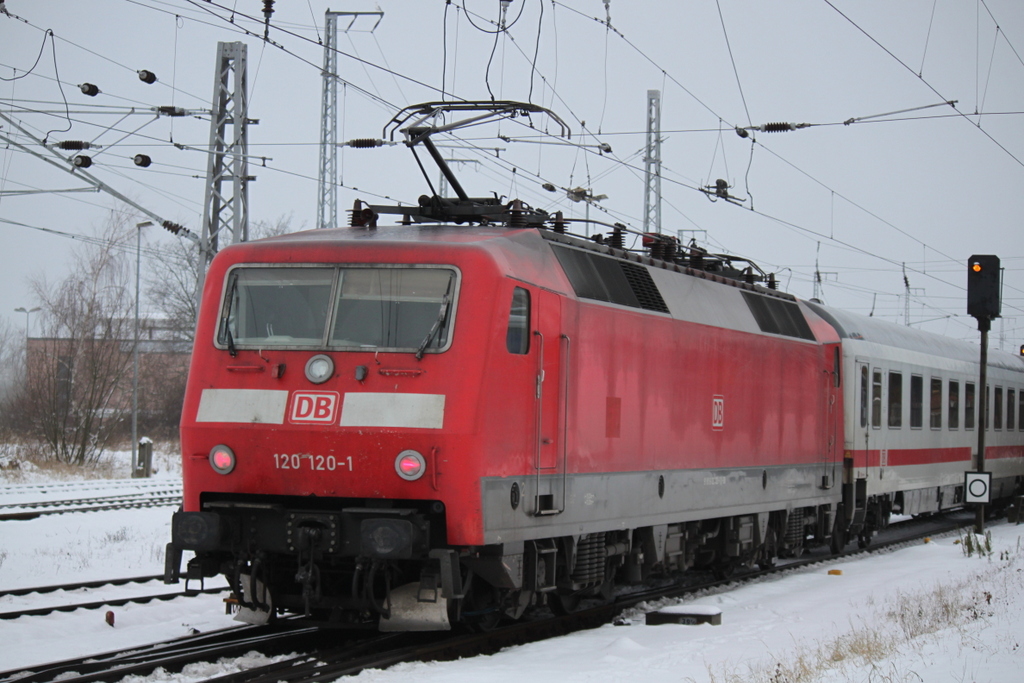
[
  {"x": 552, "y": 347},
  {"x": 862, "y": 418},
  {"x": 833, "y": 385}
]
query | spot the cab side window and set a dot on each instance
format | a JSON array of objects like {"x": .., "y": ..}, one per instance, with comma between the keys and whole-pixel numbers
[{"x": 517, "y": 338}]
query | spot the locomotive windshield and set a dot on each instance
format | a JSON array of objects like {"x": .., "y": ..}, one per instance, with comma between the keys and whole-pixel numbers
[{"x": 391, "y": 308}]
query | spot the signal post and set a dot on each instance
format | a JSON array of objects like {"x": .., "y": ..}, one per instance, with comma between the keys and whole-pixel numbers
[{"x": 983, "y": 303}]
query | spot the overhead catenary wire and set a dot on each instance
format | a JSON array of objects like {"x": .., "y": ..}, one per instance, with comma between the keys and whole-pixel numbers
[
  {"x": 631, "y": 170},
  {"x": 924, "y": 81}
]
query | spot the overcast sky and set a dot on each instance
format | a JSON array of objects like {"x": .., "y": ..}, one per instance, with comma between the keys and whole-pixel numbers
[{"x": 889, "y": 195}]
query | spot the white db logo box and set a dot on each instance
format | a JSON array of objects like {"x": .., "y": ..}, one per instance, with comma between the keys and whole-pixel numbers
[{"x": 314, "y": 407}]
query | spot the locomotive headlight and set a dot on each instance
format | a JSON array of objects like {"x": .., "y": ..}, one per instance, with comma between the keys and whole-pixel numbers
[
  {"x": 410, "y": 465},
  {"x": 222, "y": 459},
  {"x": 319, "y": 368}
]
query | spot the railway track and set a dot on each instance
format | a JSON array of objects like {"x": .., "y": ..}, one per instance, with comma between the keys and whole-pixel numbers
[
  {"x": 107, "y": 602},
  {"x": 19, "y": 592},
  {"x": 325, "y": 654},
  {"x": 32, "y": 501}
]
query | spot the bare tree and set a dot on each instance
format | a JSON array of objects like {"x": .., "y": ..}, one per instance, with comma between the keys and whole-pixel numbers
[{"x": 76, "y": 391}]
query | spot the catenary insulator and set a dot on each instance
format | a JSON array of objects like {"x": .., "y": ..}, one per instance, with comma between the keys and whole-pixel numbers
[
  {"x": 73, "y": 145},
  {"x": 777, "y": 127},
  {"x": 174, "y": 228},
  {"x": 365, "y": 143},
  {"x": 82, "y": 161},
  {"x": 142, "y": 160},
  {"x": 89, "y": 89},
  {"x": 147, "y": 77}
]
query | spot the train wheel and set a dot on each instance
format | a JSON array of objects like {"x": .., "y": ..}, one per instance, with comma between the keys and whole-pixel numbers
[
  {"x": 482, "y": 608},
  {"x": 725, "y": 569},
  {"x": 864, "y": 539},
  {"x": 839, "y": 540},
  {"x": 564, "y": 605},
  {"x": 769, "y": 551}
]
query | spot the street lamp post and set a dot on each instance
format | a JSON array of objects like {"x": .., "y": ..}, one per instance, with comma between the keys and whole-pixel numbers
[
  {"x": 135, "y": 346},
  {"x": 28, "y": 313}
]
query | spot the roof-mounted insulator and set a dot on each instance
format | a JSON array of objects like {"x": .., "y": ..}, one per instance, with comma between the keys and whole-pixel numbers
[
  {"x": 559, "y": 223},
  {"x": 362, "y": 216},
  {"x": 657, "y": 249},
  {"x": 617, "y": 237},
  {"x": 772, "y": 284},
  {"x": 73, "y": 145},
  {"x": 515, "y": 214},
  {"x": 89, "y": 89},
  {"x": 696, "y": 257}
]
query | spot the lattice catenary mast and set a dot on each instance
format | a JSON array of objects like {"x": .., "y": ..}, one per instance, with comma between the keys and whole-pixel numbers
[
  {"x": 652, "y": 164},
  {"x": 327, "y": 195},
  {"x": 226, "y": 205}
]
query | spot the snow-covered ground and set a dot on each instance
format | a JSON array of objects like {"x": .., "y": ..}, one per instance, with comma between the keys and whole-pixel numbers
[{"x": 922, "y": 613}]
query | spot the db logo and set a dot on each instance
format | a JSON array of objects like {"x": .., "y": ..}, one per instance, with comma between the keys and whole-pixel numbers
[
  {"x": 320, "y": 407},
  {"x": 718, "y": 413}
]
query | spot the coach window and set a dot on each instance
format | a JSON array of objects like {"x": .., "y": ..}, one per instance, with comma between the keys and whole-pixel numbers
[
  {"x": 954, "y": 405},
  {"x": 997, "y": 409},
  {"x": 863, "y": 396},
  {"x": 876, "y": 398},
  {"x": 1011, "y": 408},
  {"x": 517, "y": 339},
  {"x": 988, "y": 408},
  {"x": 969, "y": 413},
  {"x": 1020, "y": 408},
  {"x": 935, "y": 415},
  {"x": 895, "y": 400},
  {"x": 916, "y": 401}
]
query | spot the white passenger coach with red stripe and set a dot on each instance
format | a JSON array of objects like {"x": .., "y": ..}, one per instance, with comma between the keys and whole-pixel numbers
[{"x": 911, "y": 417}]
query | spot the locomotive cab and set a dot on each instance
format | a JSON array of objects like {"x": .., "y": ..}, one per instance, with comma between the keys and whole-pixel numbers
[{"x": 341, "y": 408}]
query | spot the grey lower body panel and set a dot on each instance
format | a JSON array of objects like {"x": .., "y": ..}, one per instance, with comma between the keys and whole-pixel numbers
[{"x": 549, "y": 504}]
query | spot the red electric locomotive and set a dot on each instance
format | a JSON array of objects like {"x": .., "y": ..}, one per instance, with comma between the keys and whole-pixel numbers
[{"x": 411, "y": 425}]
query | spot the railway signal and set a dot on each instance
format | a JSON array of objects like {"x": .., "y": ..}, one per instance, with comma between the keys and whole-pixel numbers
[
  {"x": 982, "y": 303},
  {"x": 983, "y": 286}
]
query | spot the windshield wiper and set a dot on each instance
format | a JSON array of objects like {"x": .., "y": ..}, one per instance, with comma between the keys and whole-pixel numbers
[
  {"x": 231, "y": 340},
  {"x": 441, "y": 314},
  {"x": 226, "y": 320}
]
